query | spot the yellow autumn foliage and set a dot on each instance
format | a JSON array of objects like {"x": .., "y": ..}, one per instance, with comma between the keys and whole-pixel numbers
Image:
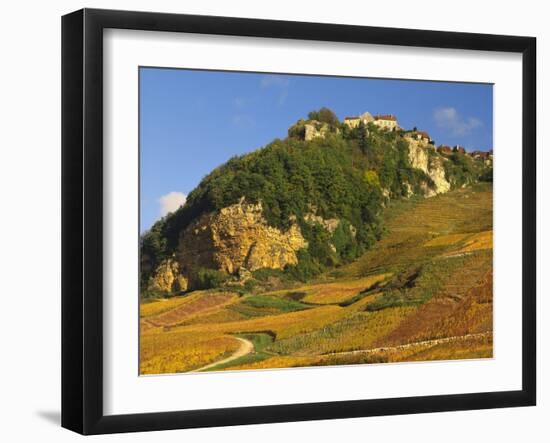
[
  {"x": 447, "y": 238},
  {"x": 161, "y": 305},
  {"x": 171, "y": 352},
  {"x": 338, "y": 292}
]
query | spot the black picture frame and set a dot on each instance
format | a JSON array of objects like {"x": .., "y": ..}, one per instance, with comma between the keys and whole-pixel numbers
[{"x": 82, "y": 218}]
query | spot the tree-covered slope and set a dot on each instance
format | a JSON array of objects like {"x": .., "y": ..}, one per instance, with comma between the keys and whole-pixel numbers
[{"x": 348, "y": 175}]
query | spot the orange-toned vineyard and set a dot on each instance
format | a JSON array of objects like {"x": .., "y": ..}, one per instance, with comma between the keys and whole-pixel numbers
[{"x": 424, "y": 292}]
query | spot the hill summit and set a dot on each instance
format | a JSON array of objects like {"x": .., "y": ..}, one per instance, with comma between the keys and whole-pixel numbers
[{"x": 300, "y": 205}]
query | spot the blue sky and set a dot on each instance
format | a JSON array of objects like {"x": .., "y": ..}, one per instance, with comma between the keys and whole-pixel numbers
[{"x": 192, "y": 121}]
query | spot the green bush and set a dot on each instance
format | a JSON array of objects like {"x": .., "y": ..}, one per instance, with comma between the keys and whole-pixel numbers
[
  {"x": 149, "y": 294},
  {"x": 209, "y": 278},
  {"x": 487, "y": 175},
  {"x": 279, "y": 303},
  {"x": 306, "y": 268},
  {"x": 460, "y": 169},
  {"x": 297, "y": 130},
  {"x": 265, "y": 273},
  {"x": 324, "y": 115}
]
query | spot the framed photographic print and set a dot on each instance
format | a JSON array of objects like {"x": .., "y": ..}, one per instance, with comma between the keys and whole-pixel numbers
[{"x": 269, "y": 221}]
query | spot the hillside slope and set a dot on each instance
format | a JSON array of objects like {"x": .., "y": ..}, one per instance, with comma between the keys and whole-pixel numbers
[
  {"x": 302, "y": 206},
  {"x": 424, "y": 292}
]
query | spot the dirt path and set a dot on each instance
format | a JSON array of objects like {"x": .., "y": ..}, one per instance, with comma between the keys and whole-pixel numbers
[
  {"x": 426, "y": 343},
  {"x": 246, "y": 348}
]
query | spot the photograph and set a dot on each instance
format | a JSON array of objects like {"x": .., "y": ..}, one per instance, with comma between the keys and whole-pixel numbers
[
  {"x": 258, "y": 222},
  {"x": 291, "y": 221}
]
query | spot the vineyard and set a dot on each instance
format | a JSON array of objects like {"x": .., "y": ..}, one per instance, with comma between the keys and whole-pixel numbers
[{"x": 423, "y": 292}]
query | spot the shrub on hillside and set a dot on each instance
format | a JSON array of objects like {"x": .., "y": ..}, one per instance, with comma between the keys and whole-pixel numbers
[
  {"x": 324, "y": 115},
  {"x": 209, "y": 278}
]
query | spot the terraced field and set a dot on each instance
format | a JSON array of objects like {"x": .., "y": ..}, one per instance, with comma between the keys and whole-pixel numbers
[{"x": 424, "y": 292}]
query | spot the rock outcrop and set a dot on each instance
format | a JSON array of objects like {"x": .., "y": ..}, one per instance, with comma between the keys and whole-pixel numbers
[
  {"x": 420, "y": 158},
  {"x": 167, "y": 277},
  {"x": 436, "y": 172},
  {"x": 236, "y": 237},
  {"x": 330, "y": 224},
  {"x": 315, "y": 129}
]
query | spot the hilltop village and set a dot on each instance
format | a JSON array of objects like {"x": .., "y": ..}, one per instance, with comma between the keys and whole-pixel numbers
[{"x": 387, "y": 122}]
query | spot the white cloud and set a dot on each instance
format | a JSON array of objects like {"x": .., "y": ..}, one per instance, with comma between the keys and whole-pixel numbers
[
  {"x": 171, "y": 202},
  {"x": 449, "y": 119}
]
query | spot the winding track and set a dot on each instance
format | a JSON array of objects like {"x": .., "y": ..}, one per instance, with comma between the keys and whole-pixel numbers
[{"x": 246, "y": 348}]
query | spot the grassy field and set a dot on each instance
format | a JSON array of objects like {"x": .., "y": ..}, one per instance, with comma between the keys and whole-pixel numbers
[{"x": 424, "y": 292}]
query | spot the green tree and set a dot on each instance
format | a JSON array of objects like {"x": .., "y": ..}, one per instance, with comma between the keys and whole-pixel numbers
[
  {"x": 371, "y": 178},
  {"x": 324, "y": 115}
]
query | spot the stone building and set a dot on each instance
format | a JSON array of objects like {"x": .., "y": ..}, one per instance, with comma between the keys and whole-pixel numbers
[
  {"x": 485, "y": 155},
  {"x": 423, "y": 136},
  {"x": 386, "y": 121},
  {"x": 353, "y": 122}
]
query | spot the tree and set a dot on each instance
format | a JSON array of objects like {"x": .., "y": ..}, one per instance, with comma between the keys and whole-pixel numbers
[
  {"x": 297, "y": 130},
  {"x": 324, "y": 115},
  {"x": 371, "y": 178}
]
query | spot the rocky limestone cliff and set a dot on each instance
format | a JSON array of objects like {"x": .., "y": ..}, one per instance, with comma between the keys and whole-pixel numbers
[
  {"x": 237, "y": 237},
  {"x": 315, "y": 130},
  {"x": 437, "y": 173},
  {"x": 431, "y": 165},
  {"x": 167, "y": 277}
]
